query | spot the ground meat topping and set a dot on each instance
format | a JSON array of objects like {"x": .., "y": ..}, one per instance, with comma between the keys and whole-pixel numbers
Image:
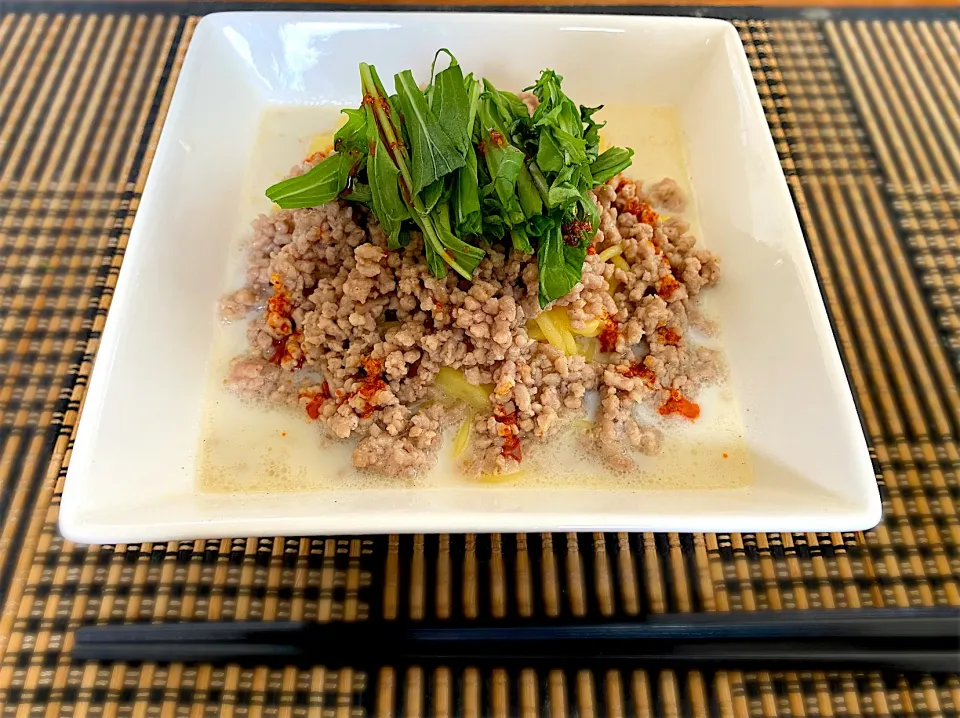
[{"x": 354, "y": 335}]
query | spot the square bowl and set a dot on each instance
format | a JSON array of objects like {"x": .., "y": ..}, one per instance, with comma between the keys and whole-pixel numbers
[{"x": 132, "y": 473}]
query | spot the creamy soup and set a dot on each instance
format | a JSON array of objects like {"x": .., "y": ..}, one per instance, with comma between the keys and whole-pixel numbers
[{"x": 249, "y": 447}]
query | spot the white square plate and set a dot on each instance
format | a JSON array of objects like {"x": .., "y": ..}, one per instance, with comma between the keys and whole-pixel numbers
[{"x": 132, "y": 474}]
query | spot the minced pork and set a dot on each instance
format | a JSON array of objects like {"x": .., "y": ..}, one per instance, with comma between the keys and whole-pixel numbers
[{"x": 354, "y": 334}]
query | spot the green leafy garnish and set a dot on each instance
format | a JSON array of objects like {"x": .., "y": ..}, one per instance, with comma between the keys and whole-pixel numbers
[
  {"x": 463, "y": 163},
  {"x": 353, "y": 134},
  {"x": 450, "y": 103},
  {"x": 560, "y": 265},
  {"x": 316, "y": 186},
  {"x": 504, "y": 163},
  {"x": 610, "y": 163},
  {"x": 388, "y": 204},
  {"x": 467, "y": 198},
  {"x": 432, "y": 150}
]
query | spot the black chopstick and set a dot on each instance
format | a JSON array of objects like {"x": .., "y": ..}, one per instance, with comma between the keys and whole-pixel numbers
[
  {"x": 932, "y": 622},
  {"x": 729, "y": 655},
  {"x": 924, "y": 639}
]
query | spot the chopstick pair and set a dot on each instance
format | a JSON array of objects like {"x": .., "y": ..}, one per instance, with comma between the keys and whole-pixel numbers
[{"x": 923, "y": 639}]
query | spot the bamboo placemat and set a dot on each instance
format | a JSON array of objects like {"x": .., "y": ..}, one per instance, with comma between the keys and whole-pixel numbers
[{"x": 866, "y": 118}]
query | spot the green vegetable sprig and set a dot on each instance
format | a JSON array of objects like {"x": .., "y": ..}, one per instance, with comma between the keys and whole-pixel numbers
[{"x": 466, "y": 164}]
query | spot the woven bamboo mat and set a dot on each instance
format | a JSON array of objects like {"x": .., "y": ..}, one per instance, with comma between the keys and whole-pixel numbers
[{"x": 866, "y": 118}]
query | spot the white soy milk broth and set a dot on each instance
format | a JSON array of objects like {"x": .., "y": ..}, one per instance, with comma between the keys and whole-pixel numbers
[{"x": 248, "y": 447}]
